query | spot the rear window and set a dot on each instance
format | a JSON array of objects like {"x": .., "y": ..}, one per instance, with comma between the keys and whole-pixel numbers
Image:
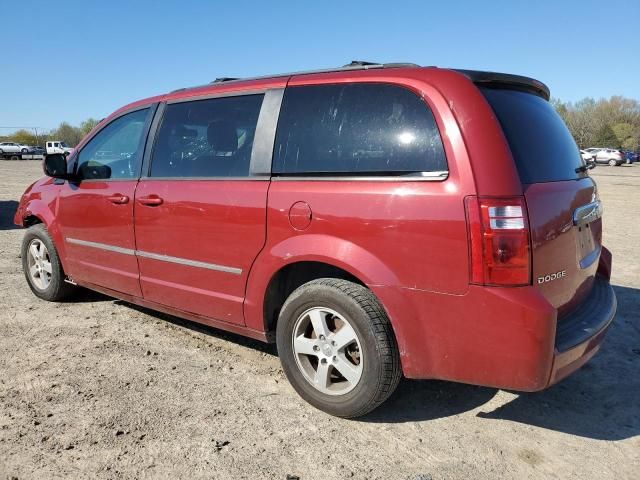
[
  {"x": 540, "y": 142},
  {"x": 357, "y": 129}
]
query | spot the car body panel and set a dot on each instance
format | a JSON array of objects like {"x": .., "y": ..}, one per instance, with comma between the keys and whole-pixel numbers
[
  {"x": 215, "y": 222},
  {"x": 559, "y": 245},
  {"x": 92, "y": 226}
]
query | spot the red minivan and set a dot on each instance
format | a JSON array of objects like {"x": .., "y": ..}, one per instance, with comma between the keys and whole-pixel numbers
[{"x": 372, "y": 220}]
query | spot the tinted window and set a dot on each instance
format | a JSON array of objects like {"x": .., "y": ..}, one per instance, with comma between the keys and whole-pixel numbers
[
  {"x": 115, "y": 151},
  {"x": 365, "y": 129},
  {"x": 207, "y": 138},
  {"x": 541, "y": 144}
]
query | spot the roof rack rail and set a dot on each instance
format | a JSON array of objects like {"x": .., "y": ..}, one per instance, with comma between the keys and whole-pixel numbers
[
  {"x": 224, "y": 79},
  {"x": 360, "y": 63},
  {"x": 354, "y": 65}
]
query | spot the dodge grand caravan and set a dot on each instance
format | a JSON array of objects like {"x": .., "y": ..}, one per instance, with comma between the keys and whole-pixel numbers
[{"x": 373, "y": 221}]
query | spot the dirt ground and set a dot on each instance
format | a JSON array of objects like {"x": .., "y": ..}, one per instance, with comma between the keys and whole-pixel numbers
[{"x": 98, "y": 388}]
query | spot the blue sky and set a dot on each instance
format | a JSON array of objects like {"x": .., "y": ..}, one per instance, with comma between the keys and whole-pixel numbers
[{"x": 70, "y": 60}]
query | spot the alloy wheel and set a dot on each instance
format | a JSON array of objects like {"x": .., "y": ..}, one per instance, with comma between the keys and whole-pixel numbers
[
  {"x": 327, "y": 351},
  {"x": 39, "y": 264}
]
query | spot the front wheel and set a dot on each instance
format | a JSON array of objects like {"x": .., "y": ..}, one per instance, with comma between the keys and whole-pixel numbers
[
  {"x": 337, "y": 347},
  {"x": 42, "y": 267}
]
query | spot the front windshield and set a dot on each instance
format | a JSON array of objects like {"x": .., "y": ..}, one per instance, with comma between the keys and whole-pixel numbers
[{"x": 63, "y": 144}]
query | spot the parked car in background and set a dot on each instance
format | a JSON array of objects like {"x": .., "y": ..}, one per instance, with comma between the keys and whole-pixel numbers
[
  {"x": 609, "y": 156},
  {"x": 630, "y": 156},
  {"x": 12, "y": 147},
  {"x": 352, "y": 216},
  {"x": 57, "y": 146},
  {"x": 37, "y": 150},
  {"x": 586, "y": 156}
]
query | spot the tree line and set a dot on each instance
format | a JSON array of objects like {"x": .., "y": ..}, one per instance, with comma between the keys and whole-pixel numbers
[
  {"x": 612, "y": 123},
  {"x": 65, "y": 132}
]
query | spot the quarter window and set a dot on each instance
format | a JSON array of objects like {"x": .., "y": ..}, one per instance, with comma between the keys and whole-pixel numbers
[
  {"x": 115, "y": 151},
  {"x": 356, "y": 129},
  {"x": 207, "y": 138}
]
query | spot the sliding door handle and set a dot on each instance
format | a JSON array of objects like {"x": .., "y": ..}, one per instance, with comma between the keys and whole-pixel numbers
[
  {"x": 150, "y": 201},
  {"x": 118, "y": 199}
]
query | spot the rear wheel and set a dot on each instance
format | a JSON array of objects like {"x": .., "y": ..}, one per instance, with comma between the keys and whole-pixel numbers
[
  {"x": 24, "y": 150},
  {"x": 337, "y": 347},
  {"x": 612, "y": 163},
  {"x": 41, "y": 265}
]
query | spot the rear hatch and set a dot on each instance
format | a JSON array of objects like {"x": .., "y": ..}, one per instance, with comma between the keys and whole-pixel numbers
[{"x": 562, "y": 200}]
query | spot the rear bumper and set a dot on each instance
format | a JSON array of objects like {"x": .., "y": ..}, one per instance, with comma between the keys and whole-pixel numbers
[
  {"x": 579, "y": 334},
  {"x": 498, "y": 337}
]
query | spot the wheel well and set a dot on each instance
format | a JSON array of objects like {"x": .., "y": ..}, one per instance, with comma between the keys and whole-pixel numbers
[
  {"x": 290, "y": 277},
  {"x": 30, "y": 220}
]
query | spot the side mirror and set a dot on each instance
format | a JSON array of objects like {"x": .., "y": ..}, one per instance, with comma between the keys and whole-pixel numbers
[{"x": 55, "y": 166}]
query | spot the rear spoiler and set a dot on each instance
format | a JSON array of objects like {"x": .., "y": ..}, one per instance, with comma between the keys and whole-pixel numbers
[{"x": 506, "y": 80}]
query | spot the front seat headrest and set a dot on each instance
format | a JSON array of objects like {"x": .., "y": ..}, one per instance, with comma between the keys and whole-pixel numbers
[{"x": 222, "y": 136}]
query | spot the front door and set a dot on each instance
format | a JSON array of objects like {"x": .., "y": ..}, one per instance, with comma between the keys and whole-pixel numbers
[
  {"x": 200, "y": 217},
  {"x": 95, "y": 213}
]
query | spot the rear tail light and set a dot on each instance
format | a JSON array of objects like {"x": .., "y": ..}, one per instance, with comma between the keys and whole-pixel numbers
[{"x": 499, "y": 245}]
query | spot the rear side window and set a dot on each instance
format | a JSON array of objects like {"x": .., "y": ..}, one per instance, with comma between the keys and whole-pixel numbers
[
  {"x": 207, "y": 138},
  {"x": 540, "y": 142},
  {"x": 356, "y": 129}
]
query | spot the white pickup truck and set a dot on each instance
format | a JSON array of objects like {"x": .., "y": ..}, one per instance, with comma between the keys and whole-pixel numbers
[{"x": 56, "y": 146}]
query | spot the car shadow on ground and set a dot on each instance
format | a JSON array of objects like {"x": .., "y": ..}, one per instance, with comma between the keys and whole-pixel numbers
[
  {"x": 206, "y": 329},
  {"x": 600, "y": 401},
  {"x": 7, "y": 211},
  {"x": 84, "y": 295}
]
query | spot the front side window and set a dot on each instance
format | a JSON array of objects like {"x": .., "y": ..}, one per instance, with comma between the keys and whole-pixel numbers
[
  {"x": 115, "y": 151},
  {"x": 206, "y": 138},
  {"x": 357, "y": 129}
]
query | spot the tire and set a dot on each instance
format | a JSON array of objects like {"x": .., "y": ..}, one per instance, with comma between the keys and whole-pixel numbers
[
  {"x": 56, "y": 288},
  {"x": 15, "y": 157},
  {"x": 612, "y": 163},
  {"x": 24, "y": 150},
  {"x": 371, "y": 360}
]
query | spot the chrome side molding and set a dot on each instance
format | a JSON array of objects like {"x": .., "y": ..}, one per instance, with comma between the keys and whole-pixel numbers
[{"x": 156, "y": 256}]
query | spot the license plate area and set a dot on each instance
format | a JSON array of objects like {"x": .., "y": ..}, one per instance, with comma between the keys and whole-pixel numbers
[
  {"x": 584, "y": 219},
  {"x": 588, "y": 248}
]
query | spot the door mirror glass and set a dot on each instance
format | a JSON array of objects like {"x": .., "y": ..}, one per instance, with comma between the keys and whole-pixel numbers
[{"x": 55, "y": 166}]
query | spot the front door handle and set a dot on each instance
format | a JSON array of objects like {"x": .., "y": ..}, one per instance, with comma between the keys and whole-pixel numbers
[
  {"x": 150, "y": 201},
  {"x": 118, "y": 199}
]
